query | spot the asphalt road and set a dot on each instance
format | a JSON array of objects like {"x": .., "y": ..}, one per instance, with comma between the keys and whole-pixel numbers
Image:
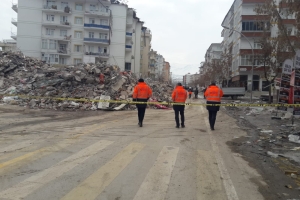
[{"x": 106, "y": 156}]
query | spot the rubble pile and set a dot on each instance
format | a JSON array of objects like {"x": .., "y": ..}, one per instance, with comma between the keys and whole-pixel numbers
[
  {"x": 20, "y": 75},
  {"x": 26, "y": 81}
]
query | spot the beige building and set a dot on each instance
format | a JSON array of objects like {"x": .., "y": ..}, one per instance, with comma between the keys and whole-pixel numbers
[
  {"x": 153, "y": 69},
  {"x": 146, "y": 38},
  {"x": 166, "y": 72}
]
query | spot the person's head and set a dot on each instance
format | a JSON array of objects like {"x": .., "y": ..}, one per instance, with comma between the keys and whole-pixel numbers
[
  {"x": 179, "y": 84},
  {"x": 213, "y": 83},
  {"x": 141, "y": 80}
]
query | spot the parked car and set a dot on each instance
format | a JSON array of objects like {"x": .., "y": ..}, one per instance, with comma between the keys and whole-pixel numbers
[{"x": 234, "y": 92}]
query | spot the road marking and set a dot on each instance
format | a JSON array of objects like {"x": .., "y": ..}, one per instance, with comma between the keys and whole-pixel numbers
[
  {"x": 157, "y": 181},
  {"x": 48, "y": 150},
  {"x": 209, "y": 184},
  {"x": 26, "y": 187},
  {"x": 227, "y": 182},
  {"x": 95, "y": 184},
  {"x": 16, "y": 146}
]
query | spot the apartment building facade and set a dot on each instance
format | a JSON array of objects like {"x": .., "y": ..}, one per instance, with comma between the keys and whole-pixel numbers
[
  {"x": 8, "y": 45},
  {"x": 242, "y": 18},
  {"x": 153, "y": 69},
  {"x": 167, "y": 72},
  {"x": 79, "y": 31},
  {"x": 146, "y": 38}
]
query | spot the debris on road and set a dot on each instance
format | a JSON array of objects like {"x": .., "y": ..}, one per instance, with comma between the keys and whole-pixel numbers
[{"x": 21, "y": 75}]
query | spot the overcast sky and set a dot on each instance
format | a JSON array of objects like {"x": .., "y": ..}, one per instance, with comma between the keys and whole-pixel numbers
[{"x": 182, "y": 30}]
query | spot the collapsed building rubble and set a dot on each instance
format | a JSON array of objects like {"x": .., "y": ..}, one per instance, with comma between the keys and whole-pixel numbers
[{"x": 41, "y": 84}]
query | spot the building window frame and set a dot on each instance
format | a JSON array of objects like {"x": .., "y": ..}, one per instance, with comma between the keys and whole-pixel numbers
[
  {"x": 78, "y": 20},
  {"x": 79, "y": 6},
  {"x": 78, "y": 33}
]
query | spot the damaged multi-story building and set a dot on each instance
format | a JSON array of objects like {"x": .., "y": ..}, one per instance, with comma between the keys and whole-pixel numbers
[{"x": 72, "y": 32}]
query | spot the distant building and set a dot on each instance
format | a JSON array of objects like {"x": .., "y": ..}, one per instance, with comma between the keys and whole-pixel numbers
[
  {"x": 166, "y": 72},
  {"x": 146, "y": 38},
  {"x": 8, "y": 45}
]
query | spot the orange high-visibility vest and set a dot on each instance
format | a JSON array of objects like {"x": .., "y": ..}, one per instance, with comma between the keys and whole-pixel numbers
[
  {"x": 142, "y": 91},
  {"x": 179, "y": 95},
  {"x": 213, "y": 93}
]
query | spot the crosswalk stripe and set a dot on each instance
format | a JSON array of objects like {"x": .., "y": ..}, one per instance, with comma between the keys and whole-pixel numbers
[
  {"x": 95, "y": 184},
  {"x": 157, "y": 180},
  {"x": 16, "y": 146},
  {"x": 48, "y": 150},
  {"x": 209, "y": 183},
  {"x": 26, "y": 187}
]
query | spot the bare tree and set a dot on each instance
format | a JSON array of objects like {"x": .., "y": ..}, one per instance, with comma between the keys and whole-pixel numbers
[{"x": 276, "y": 48}]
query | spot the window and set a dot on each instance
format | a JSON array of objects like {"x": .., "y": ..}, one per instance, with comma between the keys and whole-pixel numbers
[
  {"x": 93, "y": 7},
  {"x": 51, "y": 58},
  {"x": 104, "y": 22},
  {"x": 253, "y": 26},
  {"x": 103, "y": 9},
  {"x": 91, "y": 48},
  {"x": 62, "y": 47},
  {"x": 44, "y": 44},
  {"x": 105, "y": 50},
  {"x": 52, "y": 44},
  {"x": 50, "y": 18},
  {"x": 51, "y": 3},
  {"x": 92, "y": 20},
  {"x": 77, "y": 61},
  {"x": 246, "y": 60},
  {"x": 103, "y": 36},
  {"x": 78, "y": 34},
  {"x": 63, "y": 5},
  {"x": 77, "y": 48},
  {"x": 128, "y": 66},
  {"x": 62, "y": 61},
  {"x": 78, "y": 7},
  {"x": 91, "y": 34},
  {"x": 289, "y": 31},
  {"x": 50, "y": 31},
  {"x": 78, "y": 20},
  {"x": 99, "y": 50},
  {"x": 64, "y": 18},
  {"x": 63, "y": 32},
  {"x": 257, "y": 45}
]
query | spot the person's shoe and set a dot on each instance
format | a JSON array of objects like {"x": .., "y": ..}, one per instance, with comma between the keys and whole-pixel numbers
[
  {"x": 177, "y": 127},
  {"x": 182, "y": 126},
  {"x": 212, "y": 129},
  {"x": 140, "y": 124}
]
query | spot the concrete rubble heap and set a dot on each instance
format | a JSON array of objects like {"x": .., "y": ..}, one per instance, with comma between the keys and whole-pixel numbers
[{"x": 41, "y": 83}]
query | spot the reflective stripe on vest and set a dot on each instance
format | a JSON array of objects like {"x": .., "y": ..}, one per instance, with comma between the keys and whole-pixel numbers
[{"x": 213, "y": 98}]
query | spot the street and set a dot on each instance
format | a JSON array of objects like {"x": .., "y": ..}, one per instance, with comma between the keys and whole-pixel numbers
[{"x": 106, "y": 156}]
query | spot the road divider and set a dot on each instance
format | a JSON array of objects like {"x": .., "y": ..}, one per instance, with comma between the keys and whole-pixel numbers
[{"x": 85, "y": 100}]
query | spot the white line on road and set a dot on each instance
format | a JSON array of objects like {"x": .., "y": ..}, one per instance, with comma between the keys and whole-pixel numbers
[
  {"x": 157, "y": 181},
  {"x": 31, "y": 184},
  {"x": 229, "y": 187}
]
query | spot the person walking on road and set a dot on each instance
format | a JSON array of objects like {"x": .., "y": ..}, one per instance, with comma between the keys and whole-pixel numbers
[
  {"x": 213, "y": 95},
  {"x": 142, "y": 92},
  {"x": 179, "y": 96},
  {"x": 190, "y": 92},
  {"x": 196, "y": 93}
]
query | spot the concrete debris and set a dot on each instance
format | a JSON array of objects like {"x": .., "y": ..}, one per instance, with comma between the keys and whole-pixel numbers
[
  {"x": 273, "y": 155},
  {"x": 295, "y": 138},
  {"x": 266, "y": 131},
  {"x": 25, "y": 76}
]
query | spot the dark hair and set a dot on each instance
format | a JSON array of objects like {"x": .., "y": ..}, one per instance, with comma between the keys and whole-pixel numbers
[
  {"x": 179, "y": 84},
  {"x": 213, "y": 83},
  {"x": 141, "y": 80}
]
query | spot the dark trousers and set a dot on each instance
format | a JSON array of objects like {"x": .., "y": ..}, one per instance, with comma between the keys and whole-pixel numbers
[
  {"x": 212, "y": 118},
  {"x": 179, "y": 109},
  {"x": 141, "y": 113}
]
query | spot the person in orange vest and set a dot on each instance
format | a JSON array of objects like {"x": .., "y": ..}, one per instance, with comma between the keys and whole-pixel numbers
[
  {"x": 179, "y": 96},
  {"x": 190, "y": 92},
  {"x": 142, "y": 92},
  {"x": 213, "y": 95}
]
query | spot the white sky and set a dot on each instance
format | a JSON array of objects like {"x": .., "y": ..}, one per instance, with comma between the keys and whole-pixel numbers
[{"x": 182, "y": 30}]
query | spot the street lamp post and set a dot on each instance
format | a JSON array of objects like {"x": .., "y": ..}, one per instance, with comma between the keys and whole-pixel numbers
[{"x": 252, "y": 56}]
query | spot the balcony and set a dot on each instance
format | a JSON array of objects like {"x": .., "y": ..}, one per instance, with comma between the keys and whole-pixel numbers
[
  {"x": 57, "y": 37},
  {"x": 128, "y": 47},
  {"x": 96, "y": 27},
  {"x": 15, "y": 7},
  {"x": 63, "y": 52},
  {"x": 129, "y": 23},
  {"x": 13, "y": 35},
  {"x": 14, "y": 21},
  {"x": 152, "y": 65},
  {"x": 57, "y": 24},
  {"x": 128, "y": 35},
  {"x": 96, "y": 40},
  {"x": 57, "y": 9},
  {"x": 101, "y": 55},
  {"x": 98, "y": 13}
]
